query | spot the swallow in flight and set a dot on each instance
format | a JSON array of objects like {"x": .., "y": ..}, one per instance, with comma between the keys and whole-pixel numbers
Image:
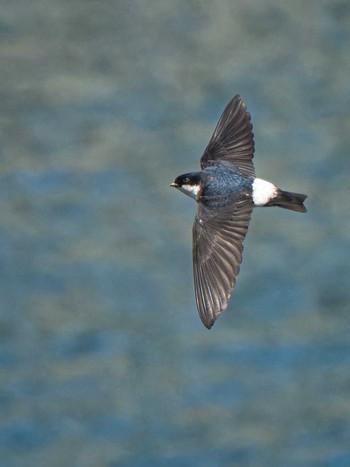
[{"x": 226, "y": 191}]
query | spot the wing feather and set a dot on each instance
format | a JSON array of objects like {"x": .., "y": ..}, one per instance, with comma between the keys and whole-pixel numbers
[
  {"x": 217, "y": 254},
  {"x": 233, "y": 139}
]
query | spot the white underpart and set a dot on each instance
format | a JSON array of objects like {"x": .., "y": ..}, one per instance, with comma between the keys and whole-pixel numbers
[
  {"x": 263, "y": 192},
  {"x": 190, "y": 190}
]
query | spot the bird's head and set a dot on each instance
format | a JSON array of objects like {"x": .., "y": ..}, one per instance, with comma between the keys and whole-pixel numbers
[{"x": 189, "y": 184}]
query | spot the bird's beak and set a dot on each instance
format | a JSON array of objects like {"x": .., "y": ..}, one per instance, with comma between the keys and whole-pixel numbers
[{"x": 175, "y": 185}]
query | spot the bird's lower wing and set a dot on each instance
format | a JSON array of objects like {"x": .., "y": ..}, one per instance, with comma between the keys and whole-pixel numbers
[{"x": 217, "y": 255}]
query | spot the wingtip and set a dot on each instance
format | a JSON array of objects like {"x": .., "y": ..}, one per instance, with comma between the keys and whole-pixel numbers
[{"x": 208, "y": 323}]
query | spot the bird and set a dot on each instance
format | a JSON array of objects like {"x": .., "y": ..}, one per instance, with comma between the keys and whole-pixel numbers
[{"x": 226, "y": 191}]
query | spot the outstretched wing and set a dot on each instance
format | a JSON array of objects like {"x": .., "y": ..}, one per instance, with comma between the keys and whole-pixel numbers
[
  {"x": 233, "y": 139},
  {"x": 217, "y": 255}
]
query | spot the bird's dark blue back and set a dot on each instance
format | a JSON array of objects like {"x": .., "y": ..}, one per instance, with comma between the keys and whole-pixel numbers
[{"x": 223, "y": 184}]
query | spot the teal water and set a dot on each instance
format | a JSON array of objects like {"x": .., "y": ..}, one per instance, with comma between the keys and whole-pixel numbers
[{"x": 103, "y": 359}]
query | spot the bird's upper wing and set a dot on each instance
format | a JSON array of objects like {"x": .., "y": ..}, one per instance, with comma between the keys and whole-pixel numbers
[
  {"x": 217, "y": 254},
  {"x": 233, "y": 139}
]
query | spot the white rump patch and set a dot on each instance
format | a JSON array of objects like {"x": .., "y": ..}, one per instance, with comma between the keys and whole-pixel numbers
[
  {"x": 263, "y": 192},
  {"x": 190, "y": 190}
]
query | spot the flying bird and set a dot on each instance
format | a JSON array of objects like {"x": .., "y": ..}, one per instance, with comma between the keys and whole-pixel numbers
[{"x": 226, "y": 191}]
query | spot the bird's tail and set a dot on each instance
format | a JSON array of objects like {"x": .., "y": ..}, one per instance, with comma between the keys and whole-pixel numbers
[{"x": 289, "y": 200}]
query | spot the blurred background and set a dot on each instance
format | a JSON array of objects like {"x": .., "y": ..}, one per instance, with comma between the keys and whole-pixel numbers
[{"x": 104, "y": 361}]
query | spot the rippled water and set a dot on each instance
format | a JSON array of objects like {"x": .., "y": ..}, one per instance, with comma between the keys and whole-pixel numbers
[{"x": 104, "y": 361}]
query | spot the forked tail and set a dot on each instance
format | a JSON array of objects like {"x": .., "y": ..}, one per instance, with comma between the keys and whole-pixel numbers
[{"x": 291, "y": 201}]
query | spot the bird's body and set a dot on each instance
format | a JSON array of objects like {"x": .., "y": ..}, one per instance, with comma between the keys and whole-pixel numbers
[
  {"x": 221, "y": 184},
  {"x": 226, "y": 191}
]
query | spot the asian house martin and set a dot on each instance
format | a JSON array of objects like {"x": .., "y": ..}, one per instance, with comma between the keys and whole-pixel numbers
[{"x": 226, "y": 191}]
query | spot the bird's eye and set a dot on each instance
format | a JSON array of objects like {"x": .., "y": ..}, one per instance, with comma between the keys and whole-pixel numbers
[{"x": 186, "y": 180}]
